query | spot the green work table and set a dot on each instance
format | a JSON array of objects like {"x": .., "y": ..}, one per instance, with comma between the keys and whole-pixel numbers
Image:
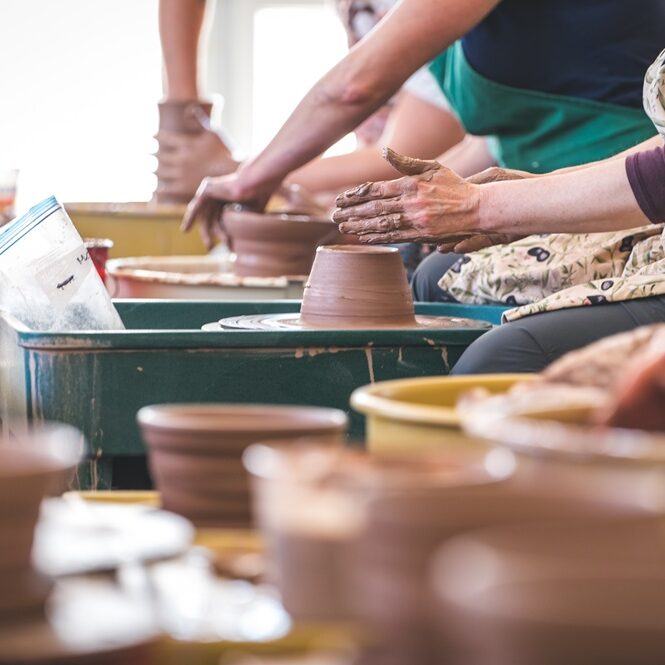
[{"x": 97, "y": 381}]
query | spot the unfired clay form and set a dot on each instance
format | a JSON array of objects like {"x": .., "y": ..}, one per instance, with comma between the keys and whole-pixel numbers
[
  {"x": 273, "y": 244},
  {"x": 195, "y": 453},
  {"x": 352, "y": 286}
]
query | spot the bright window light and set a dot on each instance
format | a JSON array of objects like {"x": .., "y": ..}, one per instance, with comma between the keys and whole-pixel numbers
[
  {"x": 80, "y": 83},
  {"x": 293, "y": 47}
]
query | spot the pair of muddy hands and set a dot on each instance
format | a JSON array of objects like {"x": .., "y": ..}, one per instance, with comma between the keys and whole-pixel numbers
[{"x": 429, "y": 204}]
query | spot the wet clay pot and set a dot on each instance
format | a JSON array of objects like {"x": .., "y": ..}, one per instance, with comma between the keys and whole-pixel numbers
[
  {"x": 357, "y": 287},
  {"x": 181, "y": 116},
  {"x": 272, "y": 244},
  {"x": 31, "y": 467},
  {"x": 575, "y": 593},
  {"x": 195, "y": 453}
]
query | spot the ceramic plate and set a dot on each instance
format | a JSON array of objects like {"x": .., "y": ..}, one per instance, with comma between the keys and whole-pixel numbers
[{"x": 74, "y": 536}]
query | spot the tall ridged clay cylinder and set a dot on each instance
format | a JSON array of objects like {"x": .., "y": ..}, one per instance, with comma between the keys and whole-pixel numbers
[{"x": 181, "y": 116}]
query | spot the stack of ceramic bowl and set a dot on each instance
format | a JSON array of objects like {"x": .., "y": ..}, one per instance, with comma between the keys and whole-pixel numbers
[
  {"x": 403, "y": 531},
  {"x": 576, "y": 593},
  {"x": 30, "y": 468},
  {"x": 195, "y": 453},
  {"x": 311, "y": 505}
]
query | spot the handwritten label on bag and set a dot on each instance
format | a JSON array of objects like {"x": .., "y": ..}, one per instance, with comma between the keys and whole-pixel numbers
[{"x": 60, "y": 275}]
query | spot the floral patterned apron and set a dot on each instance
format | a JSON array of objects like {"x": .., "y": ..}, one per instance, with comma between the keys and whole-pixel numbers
[{"x": 559, "y": 271}]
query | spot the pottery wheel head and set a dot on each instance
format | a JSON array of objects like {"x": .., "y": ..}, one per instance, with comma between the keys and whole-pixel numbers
[{"x": 272, "y": 322}]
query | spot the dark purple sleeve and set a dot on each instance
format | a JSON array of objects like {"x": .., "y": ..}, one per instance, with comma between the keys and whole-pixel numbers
[{"x": 646, "y": 174}]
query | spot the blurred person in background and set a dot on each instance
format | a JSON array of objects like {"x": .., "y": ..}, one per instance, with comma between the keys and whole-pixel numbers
[
  {"x": 417, "y": 121},
  {"x": 554, "y": 84}
]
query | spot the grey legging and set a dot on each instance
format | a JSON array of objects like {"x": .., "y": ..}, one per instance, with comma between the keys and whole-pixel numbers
[{"x": 532, "y": 343}]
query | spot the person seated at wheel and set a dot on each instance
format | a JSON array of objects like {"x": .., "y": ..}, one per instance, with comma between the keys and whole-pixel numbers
[
  {"x": 581, "y": 250},
  {"x": 548, "y": 97}
]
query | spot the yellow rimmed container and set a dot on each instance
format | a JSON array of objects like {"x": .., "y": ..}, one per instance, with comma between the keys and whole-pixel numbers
[
  {"x": 420, "y": 415},
  {"x": 558, "y": 444},
  {"x": 137, "y": 229}
]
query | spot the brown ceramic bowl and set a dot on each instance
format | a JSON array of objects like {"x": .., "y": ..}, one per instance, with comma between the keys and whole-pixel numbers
[
  {"x": 273, "y": 244},
  {"x": 195, "y": 452},
  {"x": 357, "y": 287},
  {"x": 310, "y": 503},
  {"x": 575, "y": 593},
  {"x": 404, "y": 530},
  {"x": 31, "y": 466}
]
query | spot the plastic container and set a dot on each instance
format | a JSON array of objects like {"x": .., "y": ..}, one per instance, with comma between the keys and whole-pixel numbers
[
  {"x": 47, "y": 279},
  {"x": 420, "y": 414}
]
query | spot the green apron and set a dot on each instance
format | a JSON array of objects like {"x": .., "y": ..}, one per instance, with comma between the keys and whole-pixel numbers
[{"x": 535, "y": 131}]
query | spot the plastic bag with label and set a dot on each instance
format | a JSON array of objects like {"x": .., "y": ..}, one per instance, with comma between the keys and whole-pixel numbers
[{"x": 47, "y": 278}]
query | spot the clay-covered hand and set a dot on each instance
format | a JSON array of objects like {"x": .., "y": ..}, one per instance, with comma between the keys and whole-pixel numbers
[
  {"x": 185, "y": 159},
  {"x": 430, "y": 204},
  {"x": 207, "y": 206},
  {"x": 639, "y": 404},
  {"x": 481, "y": 241}
]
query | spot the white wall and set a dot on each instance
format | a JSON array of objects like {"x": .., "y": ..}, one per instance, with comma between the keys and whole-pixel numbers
[
  {"x": 80, "y": 80},
  {"x": 264, "y": 55}
]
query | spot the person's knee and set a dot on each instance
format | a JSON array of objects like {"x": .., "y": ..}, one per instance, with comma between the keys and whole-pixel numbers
[
  {"x": 506, "y": 349},
  {"x": 425, "y": 281}
]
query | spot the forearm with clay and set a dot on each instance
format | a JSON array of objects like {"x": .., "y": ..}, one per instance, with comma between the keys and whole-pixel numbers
[
  {"x": 591, "y": 200},
  {"x": 415, "y": 127}
]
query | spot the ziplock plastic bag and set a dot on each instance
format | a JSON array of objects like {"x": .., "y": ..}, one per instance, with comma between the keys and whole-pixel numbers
[{"x": 47, "y": 279}]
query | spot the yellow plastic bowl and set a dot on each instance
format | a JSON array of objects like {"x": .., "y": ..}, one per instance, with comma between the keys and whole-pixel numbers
[
  {"x": 137, "y": 229},
  {"x": 147, "y": 498},
  {"x": 410, "y": 415}
]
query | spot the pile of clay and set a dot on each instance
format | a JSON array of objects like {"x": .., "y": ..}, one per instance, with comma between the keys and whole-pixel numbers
[{"x": 351, "y": 287}]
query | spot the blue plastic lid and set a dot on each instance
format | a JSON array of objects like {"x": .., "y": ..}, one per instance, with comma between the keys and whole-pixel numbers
[{"x": 21, "y": 226}]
